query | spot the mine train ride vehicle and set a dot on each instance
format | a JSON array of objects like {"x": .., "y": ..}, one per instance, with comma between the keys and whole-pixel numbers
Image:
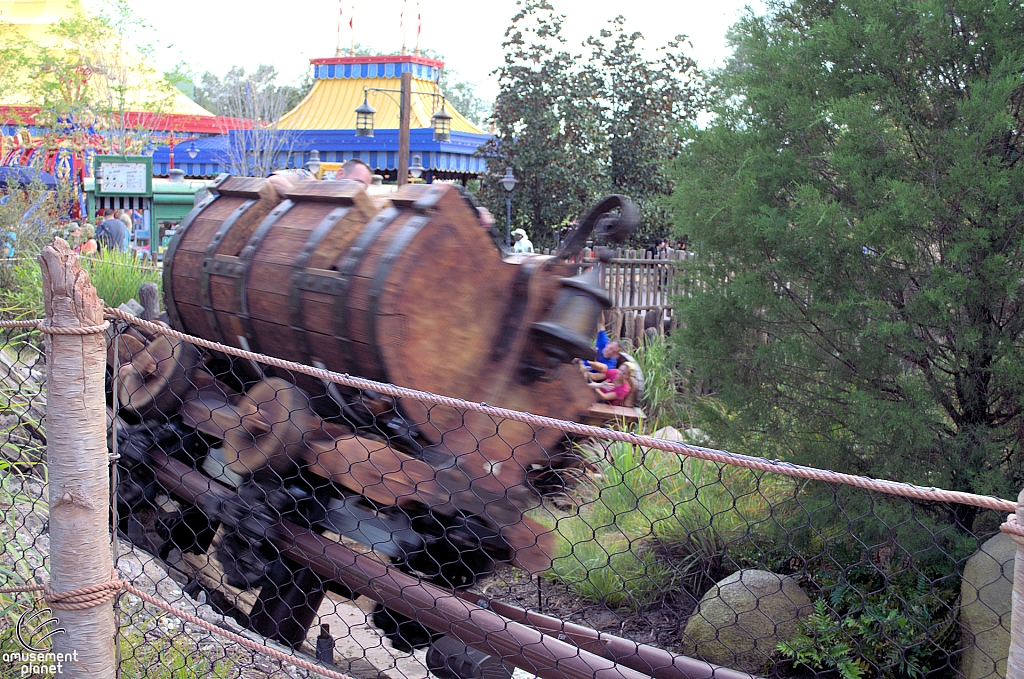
[{"x": 416, "y": 294}]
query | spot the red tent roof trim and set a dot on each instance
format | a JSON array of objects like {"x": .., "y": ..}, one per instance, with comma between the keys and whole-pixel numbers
[
  {"x": 169, "y": 122},
  {"x": 390, "y": 59}
]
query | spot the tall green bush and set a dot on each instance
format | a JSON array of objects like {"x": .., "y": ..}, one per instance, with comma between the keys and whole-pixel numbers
[{"x": 856, "y": 199}]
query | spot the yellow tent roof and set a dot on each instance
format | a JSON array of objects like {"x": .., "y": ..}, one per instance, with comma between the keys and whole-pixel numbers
[
  {"x": 33, "y": 17},
  {"x": 146, "y": 89},
  {"x": 331, "y": 105}
]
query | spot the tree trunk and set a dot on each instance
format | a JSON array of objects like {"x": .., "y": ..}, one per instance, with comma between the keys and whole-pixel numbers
[{"x": 79, "y": 487}]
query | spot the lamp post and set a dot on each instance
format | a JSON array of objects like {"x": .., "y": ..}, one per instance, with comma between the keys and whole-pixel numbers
[
  {"x": 193, "y": 150},
  {"x": 416, "y": 169},
  {"x": 314, "y": 162},
  {"x": 508, "y": 182},
  {"x": 441, "y": 121},
  {"x": 403, "y": 129}
]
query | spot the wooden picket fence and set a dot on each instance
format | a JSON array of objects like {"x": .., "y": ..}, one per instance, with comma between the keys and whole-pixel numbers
[{"x": 643, "y": 289}]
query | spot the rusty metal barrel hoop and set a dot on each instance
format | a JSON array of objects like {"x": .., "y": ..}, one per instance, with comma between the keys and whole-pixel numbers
[
  {"x": 244, "y": 269},
  {"x": 305, "y": 280},
  {"x": 210, "y": 264},
  {"x": 347, "y": 268},
  {"x": 172, "y": 309}
]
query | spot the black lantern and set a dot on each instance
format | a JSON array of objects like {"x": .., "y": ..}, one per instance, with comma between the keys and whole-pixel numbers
[
  {"x": 442, "y": 124},
  {"x": 364, "y": 119},
  {"x": 569, "y": 331}
]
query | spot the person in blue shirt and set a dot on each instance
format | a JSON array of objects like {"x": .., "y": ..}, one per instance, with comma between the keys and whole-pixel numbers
[
  {"x": 112, "y": 233},
  {"x": 608, "y": 352}
]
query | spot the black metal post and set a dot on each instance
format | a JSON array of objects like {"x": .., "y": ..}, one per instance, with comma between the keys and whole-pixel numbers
[{"x": 508, "y": 220}]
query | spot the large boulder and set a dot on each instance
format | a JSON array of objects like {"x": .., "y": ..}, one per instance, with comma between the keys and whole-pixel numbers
[
  {"x": 741, "y": 619},
  {"x": 985, "y": 594}
]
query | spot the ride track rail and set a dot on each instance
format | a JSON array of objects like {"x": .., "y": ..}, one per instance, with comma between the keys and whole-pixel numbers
[{"x": 524, "y": 639}]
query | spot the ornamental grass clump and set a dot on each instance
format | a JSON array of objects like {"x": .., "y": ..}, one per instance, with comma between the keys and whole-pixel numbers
[
  {"x": 117, "y": 275},
  {"x": 656, "y": 522}
]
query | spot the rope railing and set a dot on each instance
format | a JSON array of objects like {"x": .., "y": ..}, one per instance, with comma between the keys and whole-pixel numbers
[
  {"x": 708, "y": 454},
  {"x": 95, "y": 595}
]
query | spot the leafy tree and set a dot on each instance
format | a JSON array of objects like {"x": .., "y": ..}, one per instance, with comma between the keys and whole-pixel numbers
[
  {"x": 94, "y": 75},
  {"x": 258, "y": 148},
  {"x": 549, "y": 127},
  {"x": 461, "y": 94},
  {"x": 574, "y": 127},
  {"x": 14, "y": 60},
  {"x": 858, "y": 201},
  {"x": 218, "y": 94},
  {"x": 643, "y": 104}
]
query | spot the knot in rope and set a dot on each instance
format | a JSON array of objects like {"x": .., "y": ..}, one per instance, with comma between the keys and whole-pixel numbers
[
  {"x": 1012, "y": 528},
  {"x": 84, "y": 330}
]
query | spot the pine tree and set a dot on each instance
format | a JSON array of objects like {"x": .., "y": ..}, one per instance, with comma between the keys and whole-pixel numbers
[{"x": 857, "y": 200}]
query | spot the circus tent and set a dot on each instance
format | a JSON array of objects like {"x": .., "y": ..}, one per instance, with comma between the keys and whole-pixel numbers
[{"x": 325, "y": 122}]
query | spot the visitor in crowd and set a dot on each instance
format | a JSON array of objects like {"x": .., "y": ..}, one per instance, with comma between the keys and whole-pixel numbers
[
  {"x": 356, "y": 171},
  {"x": 609, "y": 356},
  {"x": 125, "y": 217},
  {"x": 659, "y": 249},
  {"x": 7, "y": 246},
  {"x": 522, "y": 243},
  {"x": 83, "y": 239},
  {"x": 112, "y": 234},
  {"x": 617, "y": 385}
]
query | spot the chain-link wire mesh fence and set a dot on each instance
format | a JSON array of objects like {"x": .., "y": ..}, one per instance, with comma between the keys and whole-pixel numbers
[
  {"x": 381, "y": 532},
  {"x": 24, "y": 543}
]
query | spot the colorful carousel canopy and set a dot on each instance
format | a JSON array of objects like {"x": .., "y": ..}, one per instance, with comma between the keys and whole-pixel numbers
[{"x": 150, "y": 101}]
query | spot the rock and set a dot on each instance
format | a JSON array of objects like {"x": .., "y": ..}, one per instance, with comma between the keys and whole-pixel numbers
[
  {"x": 132, "y": 307},
  {"x": 741, "y": 619},
  {"x": 668, "y": 434},
  {"x": 985, "y": 595}
]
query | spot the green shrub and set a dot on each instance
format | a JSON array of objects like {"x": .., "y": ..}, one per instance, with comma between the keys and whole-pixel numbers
[
  {"x": 906, "y": 628},
  {"x": 21, "y": 293},
  {"x": 647, "y": 505},
  {"x": 821, "y": 644}
]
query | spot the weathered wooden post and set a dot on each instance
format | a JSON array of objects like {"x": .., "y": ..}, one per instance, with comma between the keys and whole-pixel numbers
[
  {"x": 1015, "y": 660},
  {"x": 76, "y": 450}
]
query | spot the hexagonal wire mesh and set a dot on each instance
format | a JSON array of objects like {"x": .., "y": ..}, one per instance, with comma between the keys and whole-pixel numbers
[
  {"x": 319, "y": 517},
  {"x": 24, "y": 543}
]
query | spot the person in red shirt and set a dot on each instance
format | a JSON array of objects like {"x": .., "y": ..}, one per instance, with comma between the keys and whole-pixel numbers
[{"x": 616, "y": 386}]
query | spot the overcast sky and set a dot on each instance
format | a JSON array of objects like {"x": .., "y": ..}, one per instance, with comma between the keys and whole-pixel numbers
[{"x": 216, "y": 34}]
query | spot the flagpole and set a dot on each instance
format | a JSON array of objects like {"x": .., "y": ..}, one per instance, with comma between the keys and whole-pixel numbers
[
  {"x": 341, "y": 11},
  {"x": 352, "y": 30},
  {"x": 405, "y": 5},
  {"x": 419, "y": 26}
]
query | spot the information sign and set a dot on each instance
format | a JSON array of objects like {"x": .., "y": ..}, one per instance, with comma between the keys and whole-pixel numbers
[{"x": 124, "y": 175}]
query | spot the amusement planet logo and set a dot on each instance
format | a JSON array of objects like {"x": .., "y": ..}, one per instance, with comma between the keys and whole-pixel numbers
[{"x": 30, "y": 632}]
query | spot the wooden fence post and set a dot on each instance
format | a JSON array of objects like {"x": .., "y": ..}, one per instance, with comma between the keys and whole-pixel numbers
[
  {"x": 1015, "y": 660},
  {"x": 77, "y": 461}
]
